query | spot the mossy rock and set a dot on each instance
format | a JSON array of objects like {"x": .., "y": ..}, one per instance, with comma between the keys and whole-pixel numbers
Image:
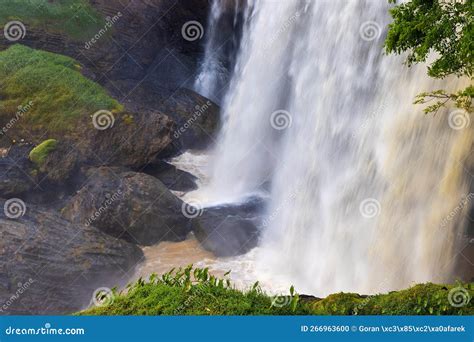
[
  {"x": 39, "y": 154},
  {"x": 77, "y": 19},
  {"x": 57, "y": 94},
  {"x": 421, "y": 299}
]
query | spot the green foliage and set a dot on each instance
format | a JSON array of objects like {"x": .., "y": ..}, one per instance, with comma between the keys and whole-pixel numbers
[
  {"x": 60, "y": 94},
  {"x": 39, "y": 153},
  {"x": 192, "y": 292},
  {"x": 337, "y": 304},
  {"x": 446, "y": 27},
  {"x": 421, "y": 27},
  {"x": 462, "y": 99},
  {"x": 77, "y": 18},
  {"x": 422, "y": 299},
  {"x": 196, "y": 292}
]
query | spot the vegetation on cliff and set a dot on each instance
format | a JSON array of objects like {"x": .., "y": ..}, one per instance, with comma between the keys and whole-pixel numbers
[
  {"x": 39, "y": 154},
  {"x": 76, "y": 18},
  {"x": 195, "y": 292},
  {"x": 421, "y": 27},
  {"x": 58, "y": 94}
]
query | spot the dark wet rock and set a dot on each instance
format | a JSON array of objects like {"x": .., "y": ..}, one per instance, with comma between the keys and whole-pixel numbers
[
  {"x": 49, "y": 185},
  {"x": 196, "y": 117},
  {"x": 61, "y": 164},
  {"x": 229, "y": 230},
  {"x": 171, "y": 176},
  {"x": 51, "y": 266},
  {"x": 133, "y": 141},
  {"x": 16, "y": 176},
  {"x": 13, "y": 180},
  {"x": 129, "y": 205}
]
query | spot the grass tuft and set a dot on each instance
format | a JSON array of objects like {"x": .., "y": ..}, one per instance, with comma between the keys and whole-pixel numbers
[{"x": 192, "y": 291}]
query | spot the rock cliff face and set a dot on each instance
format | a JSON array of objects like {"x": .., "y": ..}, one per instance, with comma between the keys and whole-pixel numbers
[
  {"x": 55, "y": 254},
  {"x": 144, "y": 62},
  {"x": 51, "y": 266},
  {"x": 144, "y": 40}
]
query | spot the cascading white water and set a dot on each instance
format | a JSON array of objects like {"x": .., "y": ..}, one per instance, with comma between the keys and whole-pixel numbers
[
  {"x": 246, "y": 151},
  {"x": 211, "y": 73},
  {"x": 360, "y": 179},
  {"x": 214, "y": 73}
]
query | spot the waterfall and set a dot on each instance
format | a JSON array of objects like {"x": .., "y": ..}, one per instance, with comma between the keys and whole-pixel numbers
[
  {"x": 223, "y": 30},
  {"x": 360, "y": 181}
]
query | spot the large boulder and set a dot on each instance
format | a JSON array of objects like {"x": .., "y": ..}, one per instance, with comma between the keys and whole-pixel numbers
[
  {"x": 196, "y": 117},
  {"x": 16, "y": 176},
  {"x": 134, "y": 140},
  {"x": 229, "y": 230},
  {"x": 129, "y": 205},
  {"x": 51, "y": 266},
  {"x": 40, "y": 185},
  {"x": 174, "y": 178}
]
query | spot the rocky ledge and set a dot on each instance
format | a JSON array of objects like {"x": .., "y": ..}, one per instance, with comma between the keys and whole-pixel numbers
[{"x": 51, "y": 266}]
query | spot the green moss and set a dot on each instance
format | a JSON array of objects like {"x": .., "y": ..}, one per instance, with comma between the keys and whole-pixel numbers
[
  {"x": 77, "y": 18},
  {"x": 59, "y": 94},
  {"x": 128, "y": 119},
  {"x": 39, "y": 153},
  {"x": 337, "y": 304},
  {"x": 188, "y": 292},
  {"x": 422, "y": 299}
]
